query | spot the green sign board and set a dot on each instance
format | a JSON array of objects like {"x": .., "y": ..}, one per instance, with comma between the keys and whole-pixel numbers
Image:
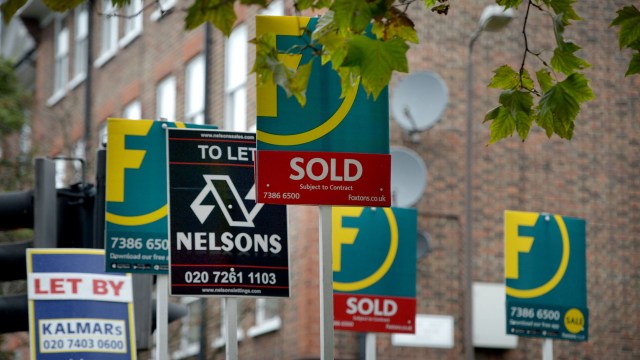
[
  {"x": 136, "y": 196},
  {"x": 332, "y": 151},
  {"x": 545, "y": 274}
]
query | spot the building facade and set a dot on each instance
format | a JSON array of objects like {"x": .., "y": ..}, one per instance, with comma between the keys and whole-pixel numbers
[{"x": 97, "y": 62}]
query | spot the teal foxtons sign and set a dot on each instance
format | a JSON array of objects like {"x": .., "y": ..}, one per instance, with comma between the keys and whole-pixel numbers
[
  {"x": 332, "y": 151},
  {"x": 545, "y": 274},
  {"x": 136, "y": 200},
  {"x": 374, "y": 269}
]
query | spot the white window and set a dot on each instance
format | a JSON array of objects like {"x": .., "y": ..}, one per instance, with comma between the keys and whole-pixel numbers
[
  {"x": 190, "y": 329},
  {"x": 132, "y": 22},
  {"x": 132, "y": 110},
  {"x": 267, "y": 317},
  {"x": 164, "y": 6},
  {"x": 61, "y": 60},
  {"x": 166, "y": 99},
  {"x": 236, "y": 80},
  {"x": 194, "y": 90},
  {"x": 109, "y": 39},
  {"x": 81, "y": 45}
]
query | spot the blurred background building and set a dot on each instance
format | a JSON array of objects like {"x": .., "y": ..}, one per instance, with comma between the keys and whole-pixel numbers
[{"x": 88, "y": 64}]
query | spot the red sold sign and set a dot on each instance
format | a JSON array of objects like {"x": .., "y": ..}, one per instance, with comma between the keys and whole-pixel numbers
[{"x": 309, "y": 177}]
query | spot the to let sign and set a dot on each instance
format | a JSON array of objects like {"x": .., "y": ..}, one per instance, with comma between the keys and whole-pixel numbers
[
  {"x": 374, "y": 269},
  {"x": 223, "y": 243},
  {"x": 333, "y": 151},
  {"x": 545, "y": 271}
]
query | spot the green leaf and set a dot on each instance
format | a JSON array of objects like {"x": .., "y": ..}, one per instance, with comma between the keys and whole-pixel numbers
[
  {"x": 502, "y": 126},
  {"x": 398, "y": 26},
  {"x": 634, "y": 65},
  {"x": 219, "y": 12},
  {"x": 560, "y": 105},
  {"x": 509, "y": 3},
  {"x": 505, "y": 78},
  {"x": 62, "y": 5},
  {"x": 298, "y": 84},
  {"x": 352, "y": 14},
  {"x": 513, "y": 114},
  {"x": 544, "y": 79},
  {"x": 629, "y": 21},
  {"x": 9, "y": 9},
  {"x": 430, "y": 3},
  {"x": 565, "y": 9},
  {"x": 565, "y": 61},
  {"x": 375, "y": 60}
]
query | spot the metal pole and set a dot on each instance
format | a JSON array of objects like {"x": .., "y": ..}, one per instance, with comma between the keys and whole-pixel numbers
[
  {"x": 326, "y": 285},
  {"x": 162, "y": 317},
  {"x": 371, "y": 346},
  {"x": 547, "y": 349},
  {"x": 231, "y": 327},
  {"x": 45, "y": 207},
  {"x": 467, "y": 247}
]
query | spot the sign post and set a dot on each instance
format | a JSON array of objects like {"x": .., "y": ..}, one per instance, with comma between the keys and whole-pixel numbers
[
  {"x": 333, "y": 151},
  {"x": 545, "y": 271},
  {"x": 76, "y": 310}
]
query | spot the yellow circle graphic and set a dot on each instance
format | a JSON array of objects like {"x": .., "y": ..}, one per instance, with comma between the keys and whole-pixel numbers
[
  {"x": 148, "y": 218},
  {"x": 574, "y": 321},
  {"x": 386, "y": 264},
  {"x": 317, "y": 132},
  {"x": 562, "y": 268}
]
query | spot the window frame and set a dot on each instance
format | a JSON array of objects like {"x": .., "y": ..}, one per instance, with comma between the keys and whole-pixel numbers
[
  {"x": 160, "y": 88},
  {"x": 108, "y": 35},
  {"x": 133, "y": 24},
  {"x": 194, "y": 83},
  {"x": 235, "y": 91},
  {"x": 60, "y": 61}
]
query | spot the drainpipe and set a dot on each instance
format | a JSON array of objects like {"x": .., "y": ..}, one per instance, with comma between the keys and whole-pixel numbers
[{"x": 87, "y": 81}]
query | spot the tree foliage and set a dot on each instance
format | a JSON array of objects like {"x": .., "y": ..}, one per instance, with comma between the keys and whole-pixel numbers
[
  {"x": 12, "y": 100},
  {"x": 551, "y": 101}
]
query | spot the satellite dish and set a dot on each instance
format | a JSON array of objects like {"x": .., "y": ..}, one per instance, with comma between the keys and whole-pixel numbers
[
  {"x": 408, "y": 177},
  {"x": 419, "y": 100},
  {"x": 423, "y": 244}
]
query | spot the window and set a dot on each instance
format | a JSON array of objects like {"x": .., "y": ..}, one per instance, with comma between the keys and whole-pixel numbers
[
  {"x": 190, "y": 329},
  {"x": 61, "y": 61},
  {"x": 81, "y": 45},
  {"x": 102, "y": 136},
  {"x": 166, "y": 99},
  {"x": 164, "y": 6},
  {"x": 194, "y": 90},
  {"x": 267, "y": 317},
  {"x": 109, "y": 39},
  {"x": 236, "y": 80},
  {"x": 132, "y": 22},
  {"x": 133, "y": 110}
]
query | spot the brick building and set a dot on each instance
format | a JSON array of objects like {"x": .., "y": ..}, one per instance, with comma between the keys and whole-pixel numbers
[{"x": 89, "y": 66}]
